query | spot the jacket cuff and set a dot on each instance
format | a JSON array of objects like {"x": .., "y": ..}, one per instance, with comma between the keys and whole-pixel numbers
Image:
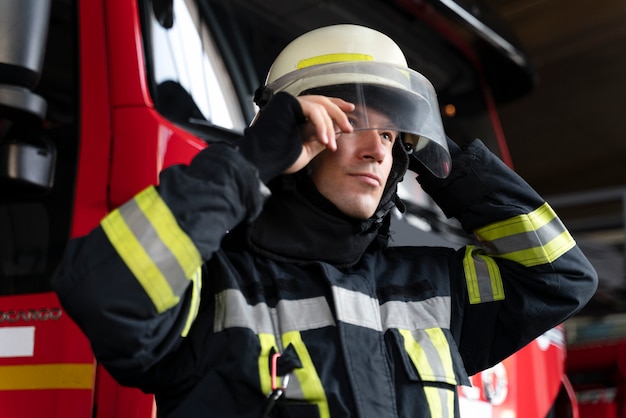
[{"x": 480, "y": 188}]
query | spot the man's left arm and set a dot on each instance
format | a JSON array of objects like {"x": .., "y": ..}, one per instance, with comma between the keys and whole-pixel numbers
[{"x": 525, "y": 275}]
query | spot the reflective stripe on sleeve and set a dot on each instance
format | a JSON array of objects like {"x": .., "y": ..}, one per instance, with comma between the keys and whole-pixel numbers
[
  {"x": 533, "y": 239},
  {"x": 157, "y": 251},
  {"x": 482, "y": 275},
  {"x": 430, "y": 353},
  {"x": 194, "y": 306}
]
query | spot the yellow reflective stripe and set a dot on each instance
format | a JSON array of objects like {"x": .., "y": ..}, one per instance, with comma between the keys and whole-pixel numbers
[
  {"x": 440, "y": 402},
  {"x": 167, "y": 228},
  {"x": 416, "y": 353},
  {"x": 330, "y": 58},
  {"x": 430, "y": 353},
  {"x": 47, "y": 376},
  {"x": 310, "y": 383},
  {"x": 531, "y": 239},
  {"x": 195, "y": 300},
  {"x": 432, "y": 366},
  {"x": 157, "y": 251},
  {"x": 434, "y": 403},
  {"x": 482, "y": 275},
  {"x": 518, "y": 224},
  {"x": 267, "y": 341},
  {"x": 138, "y": 261}
]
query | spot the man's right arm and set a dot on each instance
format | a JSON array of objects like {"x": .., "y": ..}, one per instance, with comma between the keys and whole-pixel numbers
[{"x": 133, "y": 283}]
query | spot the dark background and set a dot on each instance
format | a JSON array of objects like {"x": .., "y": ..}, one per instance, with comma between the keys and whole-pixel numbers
[{"x": 567, "y": 137}]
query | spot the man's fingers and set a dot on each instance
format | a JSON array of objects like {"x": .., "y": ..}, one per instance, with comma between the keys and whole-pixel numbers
[
  {"x": 327, "y": 115},
  {"x": 322, "y": 123},
  {"x": 325, "y": 118},
  {"x": 338, "y": 114}
]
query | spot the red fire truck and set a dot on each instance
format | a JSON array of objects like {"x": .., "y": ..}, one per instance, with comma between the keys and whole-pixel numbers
[{"x": 97, "y": 96}]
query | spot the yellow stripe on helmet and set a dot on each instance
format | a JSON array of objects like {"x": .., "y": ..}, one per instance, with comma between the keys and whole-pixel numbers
[{"x": 330, "y": 58}]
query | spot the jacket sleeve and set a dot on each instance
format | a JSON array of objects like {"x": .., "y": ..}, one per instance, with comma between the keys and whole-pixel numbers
[
  {"x": 524, "y": 276},
  {"x": 133, "y": 284}
]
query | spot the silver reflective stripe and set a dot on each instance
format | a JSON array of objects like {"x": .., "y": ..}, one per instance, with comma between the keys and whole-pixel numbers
[
  {"x": 532, "y": 239},
  {"x": 233, "y": 311},
  {"x": 156, "y": 250},
  {"x": 357, "y": 309},
  {"x": 429, "y": 313},
  {"x": 485, "y": 289},
  {"x": 526, "y": 239},
  {"x": 304, "y": 314}
]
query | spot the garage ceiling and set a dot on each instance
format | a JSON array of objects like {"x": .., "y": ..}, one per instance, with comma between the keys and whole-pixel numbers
[{"x": 569, "y": 134}]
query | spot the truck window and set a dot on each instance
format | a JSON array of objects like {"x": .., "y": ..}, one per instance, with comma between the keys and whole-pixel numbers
[{"x": 190, "y": 81}]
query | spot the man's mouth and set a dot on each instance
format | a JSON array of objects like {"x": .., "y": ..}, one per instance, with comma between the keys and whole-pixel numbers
[{"x": 369, "y": 178}]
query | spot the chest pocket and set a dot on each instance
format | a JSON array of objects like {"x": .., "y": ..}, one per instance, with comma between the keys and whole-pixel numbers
[{"x": 430, "y": 357}]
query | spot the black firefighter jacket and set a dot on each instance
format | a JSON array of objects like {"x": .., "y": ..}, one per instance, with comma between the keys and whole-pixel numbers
[{"x": 175, "y": 305}]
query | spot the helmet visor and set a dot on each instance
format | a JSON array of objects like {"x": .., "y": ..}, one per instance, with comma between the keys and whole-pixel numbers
[{"x": 404, "y": 96}]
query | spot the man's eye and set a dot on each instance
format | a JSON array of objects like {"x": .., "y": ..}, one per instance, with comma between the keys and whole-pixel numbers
[{"x": 388, "y": 136}]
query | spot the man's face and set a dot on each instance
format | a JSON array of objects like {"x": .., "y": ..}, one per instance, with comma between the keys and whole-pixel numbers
[{"x": 354, "y": 176}]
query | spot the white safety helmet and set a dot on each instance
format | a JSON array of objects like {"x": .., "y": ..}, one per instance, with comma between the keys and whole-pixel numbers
[{"x": 367, "y": 68}]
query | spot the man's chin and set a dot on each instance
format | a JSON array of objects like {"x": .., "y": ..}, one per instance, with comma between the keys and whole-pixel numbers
[{"x": 361, "y": 210}]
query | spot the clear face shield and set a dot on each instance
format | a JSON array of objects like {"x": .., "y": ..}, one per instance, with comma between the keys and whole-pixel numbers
[{"x": 404, "y": 96}]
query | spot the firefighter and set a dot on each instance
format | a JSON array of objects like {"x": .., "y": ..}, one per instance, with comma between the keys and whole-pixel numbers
[{"x": 257, "y": 281}]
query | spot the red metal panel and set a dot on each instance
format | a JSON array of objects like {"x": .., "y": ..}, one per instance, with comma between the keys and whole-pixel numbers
[
  {"x": 145, "y": 143},
  {"x": 95, "y": 132},
  {"x": 46, "y": 365},
  {"x": 128, "y": 86},
  {"x": 525, "y": 384},
  {"x": 115, "y": 401}
]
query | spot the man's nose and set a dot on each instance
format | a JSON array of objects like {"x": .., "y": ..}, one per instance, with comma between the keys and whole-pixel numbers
[{"x": 372, "y": 145}]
